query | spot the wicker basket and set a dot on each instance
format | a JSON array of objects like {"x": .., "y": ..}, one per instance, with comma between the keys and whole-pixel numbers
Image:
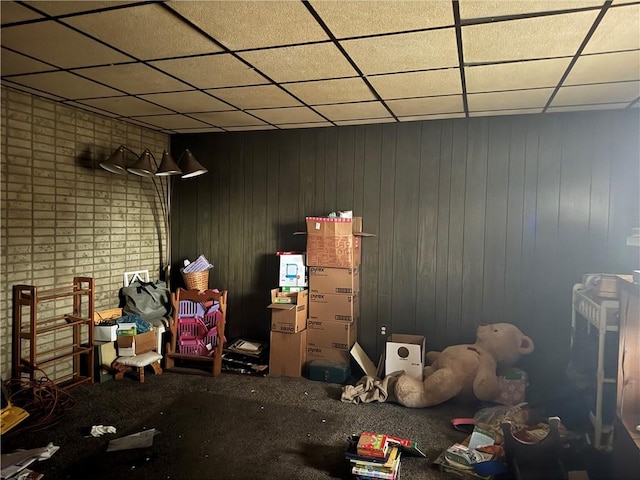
[{"x": 196, "y": 280}]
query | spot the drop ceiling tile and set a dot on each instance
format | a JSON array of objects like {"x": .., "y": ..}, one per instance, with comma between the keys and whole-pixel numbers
[
  {"x": 188, "y": 102},
  {"x": 618, "y": 30},
  {"x": 212, "y": 71},
  {"x": 140, "y": 123},
  {"x": 350, "y": 18},
  {"x": 515, "y": 111},
  {"x": 277, "y": 116},
  {"x": 91, "y": 109},
  {"x": 515, "y": 75},
  {"x": 145, "y": 32},
  {"x": 304, "y": 62},
  {"x": 198, "y": 130},
  {"x": 253, "y": 24},
  {"x": 404, "y": 52},
  {"x": 606, "y": 67},
  {"x": 341, "y": 90},
  {"x": 579, "y": 108},
  {"x": 59, "y": 45},
  {"x": 126, "y": 106},
  {"x": 306, "y": 125},
  {"x": 262, "y": 96},
  {"x": 439, "y": 116},
  {"x": 22, "y": 88},
  {"x": 65, "y": 84},
  {"x": 229, "y": 119},
  {"x": 13, "y": 12},
  {"x": 496, "y": 8},
  {"x": 353, "y": 111},
  {"x": 426, "y": 105},
  {"x": 133, "y": 78},
  {"x": 364, "y": 121},
  {"x": 514, "y": 99},
  {"x": 15, "y": 64},
  {"x": 417, "y": 84},
  {"x": 593, "y": 94},
  {"x": 541, "y": 37},
  {"x": 56, "y": 8},
  {"x": 250, "y": 127},
  {"x": 171, "y": 121}
]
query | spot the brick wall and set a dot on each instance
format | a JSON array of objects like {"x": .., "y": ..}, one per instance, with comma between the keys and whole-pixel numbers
[{"x": 63, "y": 215}]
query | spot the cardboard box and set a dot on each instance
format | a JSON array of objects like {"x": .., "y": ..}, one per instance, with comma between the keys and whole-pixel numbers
[
  {"x": 293, "y": 269},
  {"x": 287, "y": 317},
  {"x": 601, "y": 285},
  {"x": 128, "y": 329},
  {"x": 329, "y": 354},
  {"x": 334, "y": 280},
  {"x": 333, "y": 227},
  {"x": 287, "y": 353},
  {"x": 333, "y": 251},
  {"x": 334, "y": 242},
  {"x": 105, "y": 333},
  {"x": 132, "y": 345},
  {"x": 331, "y": 334},
  {"x": 104, "y": 353},
  {"x": 363, "y": 360},
  {"x": 329, "y": 306},
  {"x": 405, "y": 352}
]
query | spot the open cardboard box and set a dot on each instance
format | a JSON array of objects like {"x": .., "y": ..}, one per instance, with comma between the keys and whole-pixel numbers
[
  {"x": 334, "y": 242},
  {"x": 402, "y": 352},
  {"x": 132, "y": 345},
  {"x": 289, "y": 317}
]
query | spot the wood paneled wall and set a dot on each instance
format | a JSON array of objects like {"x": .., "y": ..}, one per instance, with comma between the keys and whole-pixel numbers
[{"x": 478, "y": 220}]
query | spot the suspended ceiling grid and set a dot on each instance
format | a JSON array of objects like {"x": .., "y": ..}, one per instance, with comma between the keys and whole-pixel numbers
[{"x": 212, "y": 66}]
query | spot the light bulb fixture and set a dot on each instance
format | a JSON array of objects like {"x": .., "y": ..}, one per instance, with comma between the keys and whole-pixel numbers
[
  {"x": 168, "y": 166},
  {"x": 117, "y": 161},
  {"x": 192, "y": 167},
  {"x": 146, "y": 165}
]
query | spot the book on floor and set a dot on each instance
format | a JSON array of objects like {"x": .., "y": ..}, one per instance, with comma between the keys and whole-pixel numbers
[
  {"x": 389, "y": 464},
  {"x": 372, "y": 445},
  {"x": 407, "y": 446},
  {"x": 364, "y": 471}
]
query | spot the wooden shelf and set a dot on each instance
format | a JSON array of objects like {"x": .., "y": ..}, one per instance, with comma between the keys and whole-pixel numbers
[
  {"x": 626, "y": 448},
  {"x": 28, "y": 359}
]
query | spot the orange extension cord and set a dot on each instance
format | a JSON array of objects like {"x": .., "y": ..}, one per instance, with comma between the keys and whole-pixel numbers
[{"x": 45, "y": 402}]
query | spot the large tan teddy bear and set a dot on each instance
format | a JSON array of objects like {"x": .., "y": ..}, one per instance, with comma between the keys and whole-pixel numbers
[{"x": 465, "y": 368}]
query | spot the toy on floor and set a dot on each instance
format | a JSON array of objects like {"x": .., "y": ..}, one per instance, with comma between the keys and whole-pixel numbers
[{"x": 465, "y": 368}]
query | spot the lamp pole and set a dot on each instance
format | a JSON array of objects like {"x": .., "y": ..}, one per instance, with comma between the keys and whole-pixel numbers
[{"x": 147, "y": 166}]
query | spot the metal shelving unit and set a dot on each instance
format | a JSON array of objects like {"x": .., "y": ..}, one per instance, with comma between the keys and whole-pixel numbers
[
  {"x": 72, "y": 332},
  {"x": 601, "y": 320}
]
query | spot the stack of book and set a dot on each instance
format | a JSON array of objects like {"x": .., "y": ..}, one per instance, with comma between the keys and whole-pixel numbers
[{"x": 372, "y": 455}]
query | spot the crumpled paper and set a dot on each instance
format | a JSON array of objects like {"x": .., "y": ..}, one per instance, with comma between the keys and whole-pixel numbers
[{"x": 99, "y": 430}]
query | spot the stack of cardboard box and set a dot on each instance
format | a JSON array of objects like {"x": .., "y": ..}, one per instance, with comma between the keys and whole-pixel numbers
[
  {"x": 288, "y": 339},
  {"x": 333, "y": 258}
]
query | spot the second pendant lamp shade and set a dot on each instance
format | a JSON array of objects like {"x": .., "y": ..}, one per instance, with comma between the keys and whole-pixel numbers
[{"x": 144, "y": 166}]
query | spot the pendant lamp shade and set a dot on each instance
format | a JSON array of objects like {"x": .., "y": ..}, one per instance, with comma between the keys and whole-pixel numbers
[
  {"x": 144, "y": 166},
  {"x": 117, "y": 162},
  {"x": 167, "y": 166},
  {"x": 190, "y": 166}
]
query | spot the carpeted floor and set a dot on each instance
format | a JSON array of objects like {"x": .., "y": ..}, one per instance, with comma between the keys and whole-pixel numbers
[
  {"x": 240, "y": 427},
  {"x": 230, "y": 427}
]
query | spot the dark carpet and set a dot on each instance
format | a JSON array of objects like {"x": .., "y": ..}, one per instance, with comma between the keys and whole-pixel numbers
[
  {"x": 244, "y": 428},
  {"x": 230, "y": 427}
]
